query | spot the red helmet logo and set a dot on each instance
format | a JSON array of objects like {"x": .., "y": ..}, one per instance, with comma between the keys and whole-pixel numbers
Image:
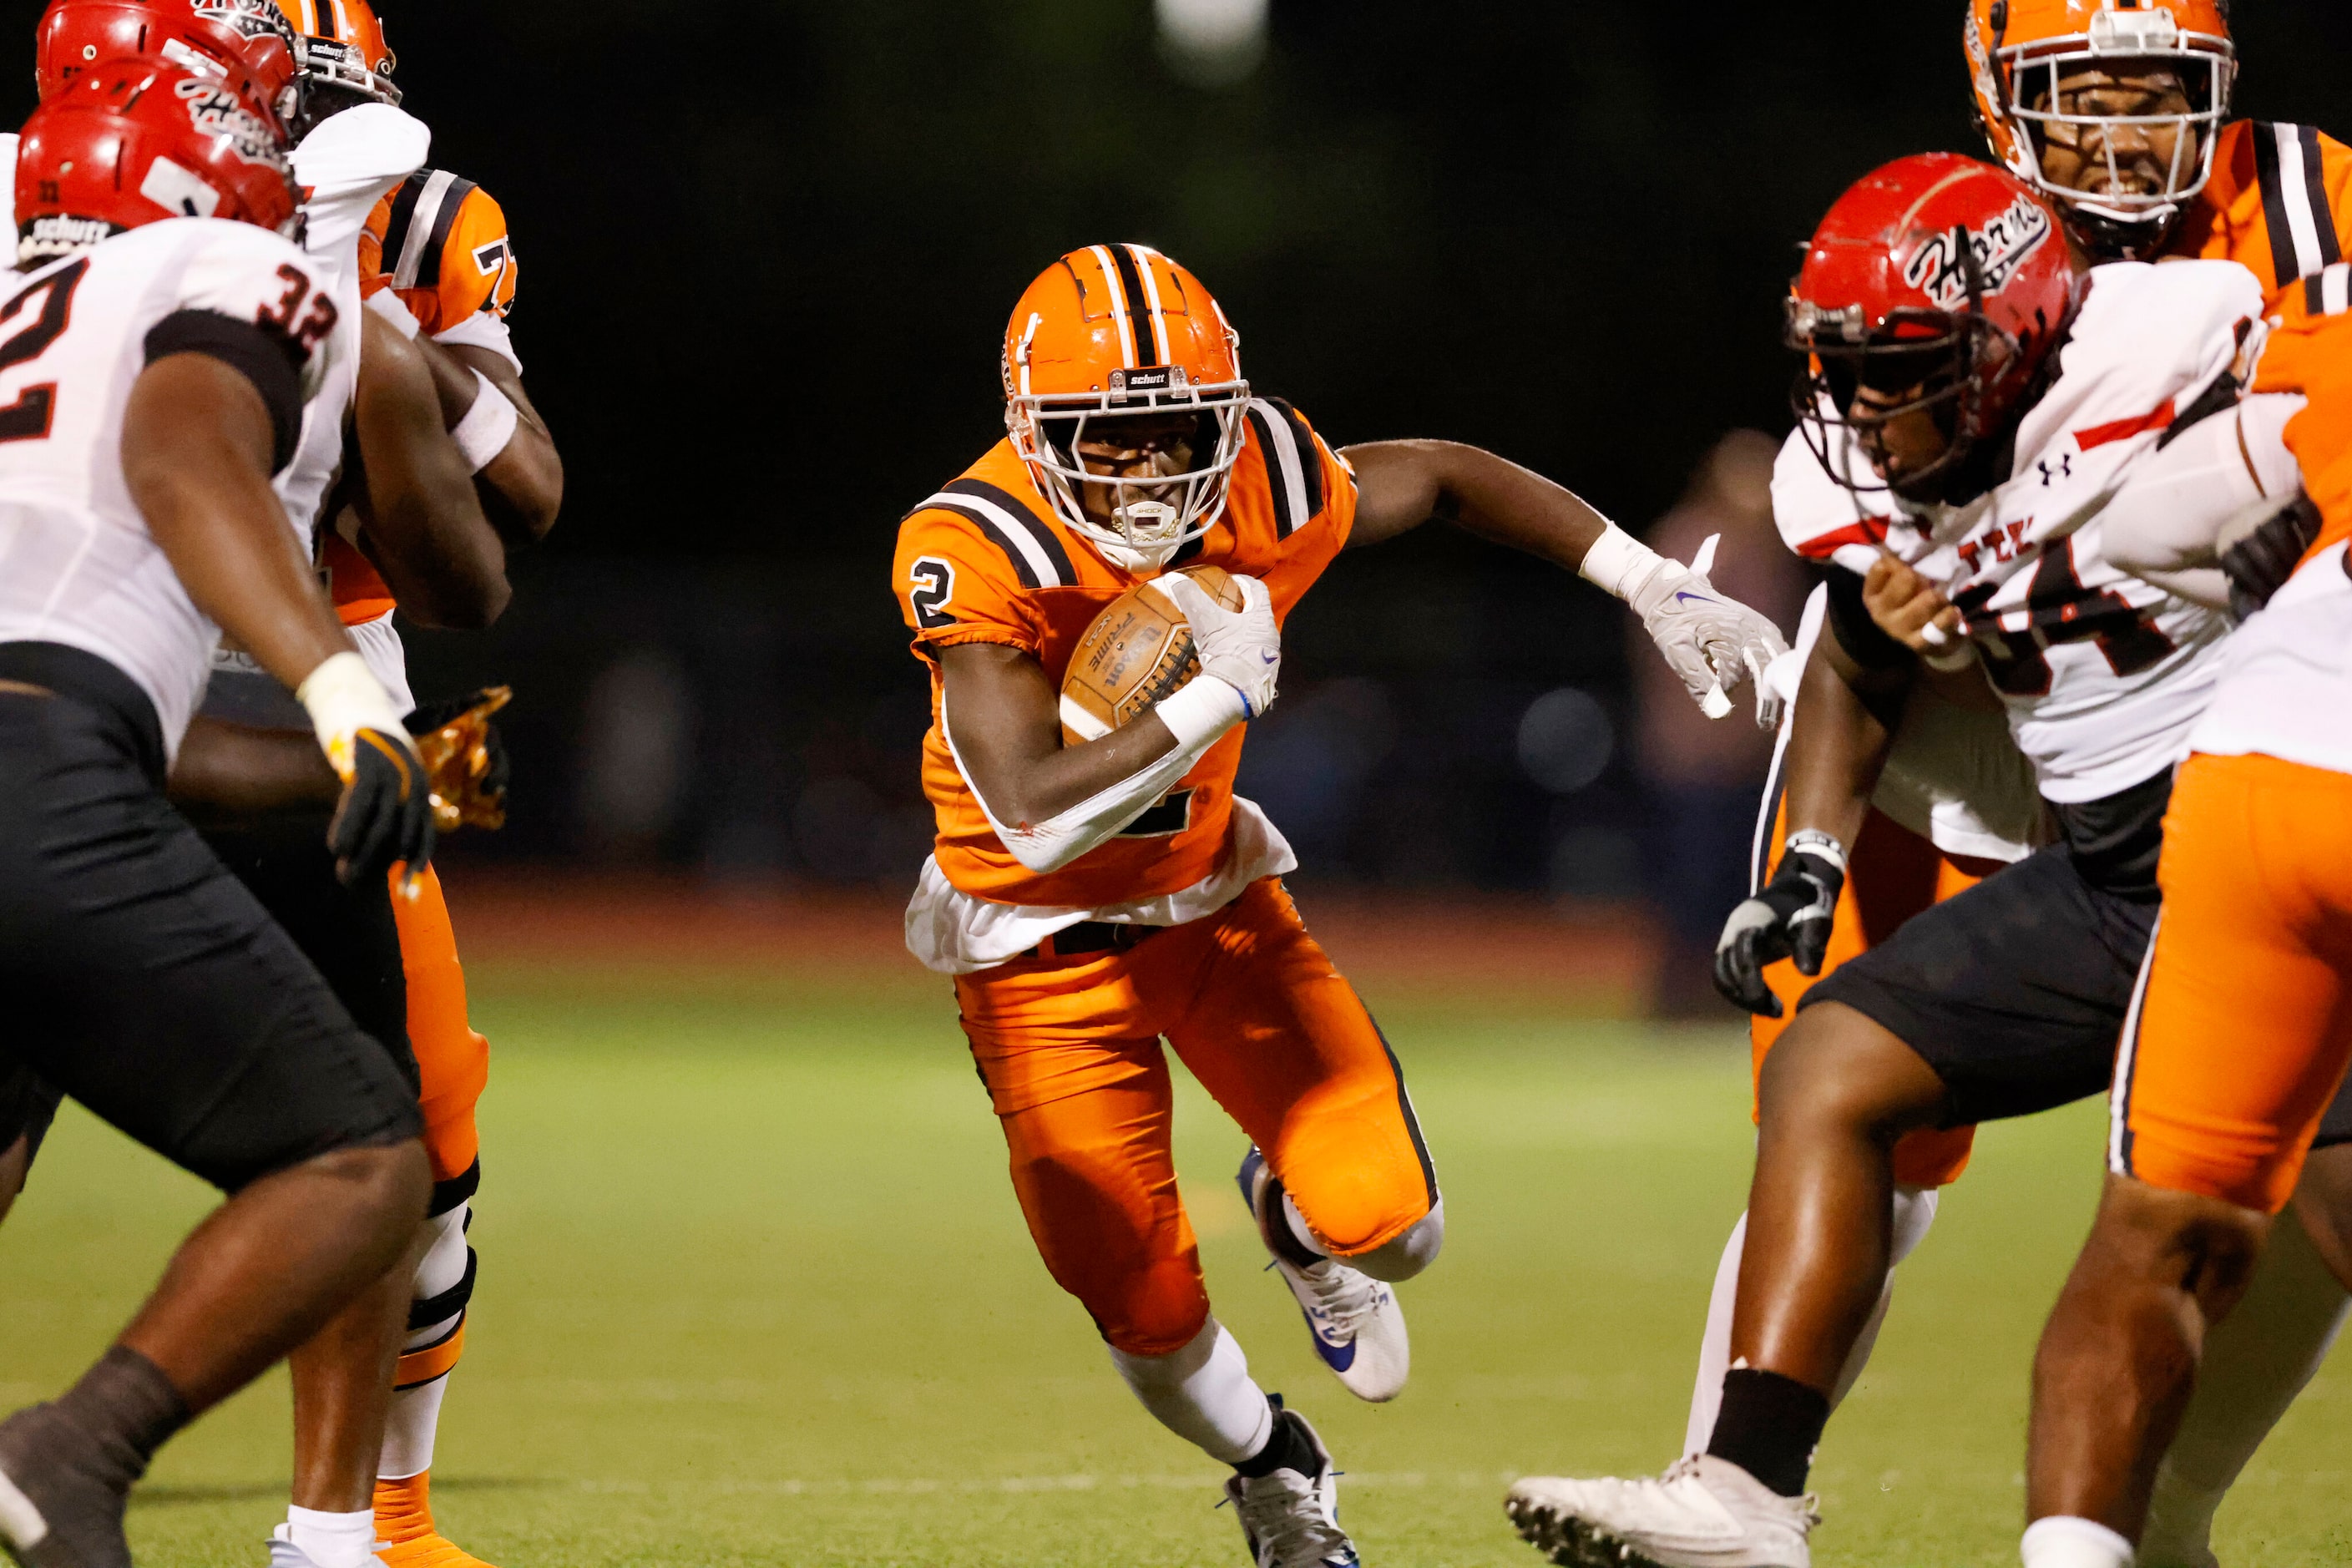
[
  {"x": 134, "y": 142},
  {"x": 1941, "y": 268},
  {"x": 1934, "y": 289}
]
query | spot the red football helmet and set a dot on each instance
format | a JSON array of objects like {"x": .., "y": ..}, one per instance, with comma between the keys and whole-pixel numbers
[
  {"x": 252, "y": 35},
  {"x": 1936, "y": 284},
  {"x": 134, "y": 142}
]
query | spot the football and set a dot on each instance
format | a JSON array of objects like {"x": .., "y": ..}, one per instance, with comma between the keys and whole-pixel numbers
[{"x": 1135, "y": 652}]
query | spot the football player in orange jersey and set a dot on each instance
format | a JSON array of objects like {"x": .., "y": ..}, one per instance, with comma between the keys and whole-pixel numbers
[
  {"x": 2238, "y": 1041},
  {"x": 2118, "y": 112},
  {"x": 438, "y": 266},
  {"x": 1092, "y": 897}
]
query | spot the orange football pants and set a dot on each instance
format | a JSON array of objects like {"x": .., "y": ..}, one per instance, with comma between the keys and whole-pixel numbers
[
  {"x": 2244, "y": 1024},
  {"x": 453, "y": 1062},
  {"x": 1892, "y": 874},
  {"x": 1070, "y": 1051}
]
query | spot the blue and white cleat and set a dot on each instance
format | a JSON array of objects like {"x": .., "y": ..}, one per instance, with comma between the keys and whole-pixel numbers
[
  {"x": 1355, "y": 1321},
  {"x": 1291, "y": 1520}
]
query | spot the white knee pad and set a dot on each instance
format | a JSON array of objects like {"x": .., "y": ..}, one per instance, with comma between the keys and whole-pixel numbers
[
  {"x": 1409, "y": 1254},
  {"x": 1913, "y": 1212}
]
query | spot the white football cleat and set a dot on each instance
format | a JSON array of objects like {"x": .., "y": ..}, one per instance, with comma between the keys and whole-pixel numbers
[
  {"x": 1291, "y": 1520},
  {"x": 1705, "y": 1512},
  {"x": 1355, "y": 1321}
]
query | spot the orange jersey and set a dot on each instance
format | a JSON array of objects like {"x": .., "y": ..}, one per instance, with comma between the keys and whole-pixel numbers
[
  {"x": 987, "y": 560},
  {"x": 441, "y": 243},
  {"x": 359, "y": 590},
  {"x": 2279, "y": 205}
]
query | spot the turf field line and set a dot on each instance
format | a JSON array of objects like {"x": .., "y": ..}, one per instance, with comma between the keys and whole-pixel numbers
[{"x": 894, "y": 1485}]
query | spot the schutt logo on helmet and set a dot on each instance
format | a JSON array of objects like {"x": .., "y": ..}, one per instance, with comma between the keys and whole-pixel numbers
[{"x": 1941, "y": 268}]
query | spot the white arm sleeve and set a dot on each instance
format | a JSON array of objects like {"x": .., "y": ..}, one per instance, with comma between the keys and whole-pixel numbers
[
  {"x": 1198, "y": 715},
  {"x": 2166, "y": 522}
]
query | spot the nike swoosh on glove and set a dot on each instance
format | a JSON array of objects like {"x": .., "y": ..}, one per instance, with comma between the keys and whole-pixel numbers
[
  {"x": 2260, "y": 558},
  {"x": 1789, "y": 918},
  {"x": 385, "y": 817},
  {"x": 1241, "y": 647},
  {"x": 1713, "y": 641}
]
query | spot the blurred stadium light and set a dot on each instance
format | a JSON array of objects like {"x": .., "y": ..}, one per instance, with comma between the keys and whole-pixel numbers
[
  {"x": 1566, "y": 739},
  {"x": 1212, "y": 43}
]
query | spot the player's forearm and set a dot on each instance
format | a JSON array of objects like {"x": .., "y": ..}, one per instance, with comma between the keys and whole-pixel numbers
[
  {"x": 424, "y": 526},
  {"x": 1050, "y": 804},
  {"x": 522, "y": 486},
  {"x": 1401, "y": 484},
  {"x": 230, "y": 772},
  {"x": 1003, "y": 723},
  {"x": 196, "y": 449},
  {"x": 1838, "y": 742}
]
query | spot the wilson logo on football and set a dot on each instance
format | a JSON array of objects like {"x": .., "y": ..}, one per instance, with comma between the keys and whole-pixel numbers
[
  {"x": 216, "y": 110},
  {"x": 1940, "y": 267}
]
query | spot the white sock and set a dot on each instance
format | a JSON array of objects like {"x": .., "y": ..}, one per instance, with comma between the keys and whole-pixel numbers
[
  {"x": 333, "y": 1540},
  {"x": 2061, "y": 1542},
  {"x": 414, "y": 1418},
  {"x": 1913, "y": 1211},
  {"x": 2254, "y": 1367},
  {"x": 1204, "y": 1394},
  {"x": 409, "y": 1430}
]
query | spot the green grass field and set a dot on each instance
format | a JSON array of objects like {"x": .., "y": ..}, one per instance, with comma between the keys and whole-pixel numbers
[{"x": 754, "y": 1291}]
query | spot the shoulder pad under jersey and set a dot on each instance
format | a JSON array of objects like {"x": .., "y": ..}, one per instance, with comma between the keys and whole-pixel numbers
[{"x": 444, "y": 248}]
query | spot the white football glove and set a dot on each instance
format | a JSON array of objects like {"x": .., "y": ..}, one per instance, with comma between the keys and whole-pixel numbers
[
  {"x": 1711, "y": 640},
  {"x": 1241, "y": 647}
]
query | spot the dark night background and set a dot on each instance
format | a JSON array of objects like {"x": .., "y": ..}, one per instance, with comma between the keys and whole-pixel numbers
[{"x": 768, "y": 251}]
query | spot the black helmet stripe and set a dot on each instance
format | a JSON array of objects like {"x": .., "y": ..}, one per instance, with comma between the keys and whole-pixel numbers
[{"x": 1139, "y": 313}]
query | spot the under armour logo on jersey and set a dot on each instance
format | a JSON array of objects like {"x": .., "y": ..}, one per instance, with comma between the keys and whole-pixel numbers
[{"x": 2066, "y": 469}]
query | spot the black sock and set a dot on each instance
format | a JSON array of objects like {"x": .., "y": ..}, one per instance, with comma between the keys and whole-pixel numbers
[
  {"x": 1280, "y": 1237},
  {"x": 1287, "y": 1448},
  {"x": 129, "y": 1406},
  {"x": 1770, "y": 1426}
]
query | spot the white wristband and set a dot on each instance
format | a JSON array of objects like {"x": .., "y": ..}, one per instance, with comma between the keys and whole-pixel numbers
[
  {"x": 1615, "y": 559},
  {"x": 1820, "y": 846},
  {"x": 343, "y": 697},
  {"x": 388, "y": 304},
  {"x": 1201, "y": 709},
  {"x": 488, "y": 425}
]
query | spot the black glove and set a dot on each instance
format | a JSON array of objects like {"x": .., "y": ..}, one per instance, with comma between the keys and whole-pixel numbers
[
  {"x": 1789, "y": 918},
  {"x": 386, "y": 813},
  {"x": 2259, "y": 562}
]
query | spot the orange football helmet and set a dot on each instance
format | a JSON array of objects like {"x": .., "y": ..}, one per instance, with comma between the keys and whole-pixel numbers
[
  {"x": 345, "y": 54},
  {"x": 1111, "y": 332},
  {"x": 2021, "y": 50}
]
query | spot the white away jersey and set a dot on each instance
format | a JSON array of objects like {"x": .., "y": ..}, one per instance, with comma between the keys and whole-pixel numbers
[
  {"x": 77, "y": 564},
  {"x": 344, "y": 167},
  {"x": 2287, "y": 676},
  {"x": 2104, "y": 675}
]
